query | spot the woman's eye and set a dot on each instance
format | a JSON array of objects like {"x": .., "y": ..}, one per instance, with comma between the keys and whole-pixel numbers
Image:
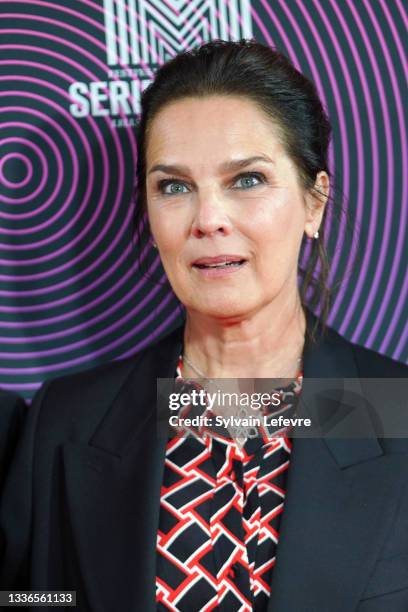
[
  {"x": 246, "y": 181},
  {"x": 172, "y": 187}
]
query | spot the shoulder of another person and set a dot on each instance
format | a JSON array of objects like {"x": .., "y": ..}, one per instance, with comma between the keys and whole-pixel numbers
[
  {"x": 12, "y": 413},
  {"x": 11, "y": 405}
]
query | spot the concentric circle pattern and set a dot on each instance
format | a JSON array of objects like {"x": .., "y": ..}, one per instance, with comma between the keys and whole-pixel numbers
[{"x": 72, "y": 291}]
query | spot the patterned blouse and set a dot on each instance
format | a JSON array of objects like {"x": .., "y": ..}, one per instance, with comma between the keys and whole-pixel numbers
[{"x": 220, "y": 510}]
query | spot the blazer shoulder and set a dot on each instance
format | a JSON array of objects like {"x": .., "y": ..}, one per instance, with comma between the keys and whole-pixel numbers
[
  {"x": 371, "y": 364},
  {"x": 93, "y": 383},
  {"x": 108, "y": 377},
  {"x": 86, "y": 395},
  {"x": 75, "y": 403},
  {"x": 330, "y": 352}
]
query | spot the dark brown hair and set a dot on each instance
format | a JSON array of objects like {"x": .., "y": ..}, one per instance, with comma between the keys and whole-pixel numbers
[{"x": 264, "y": 75}]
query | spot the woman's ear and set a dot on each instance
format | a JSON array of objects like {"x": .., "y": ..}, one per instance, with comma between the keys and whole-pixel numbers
[{"x": 316, "y": 200}]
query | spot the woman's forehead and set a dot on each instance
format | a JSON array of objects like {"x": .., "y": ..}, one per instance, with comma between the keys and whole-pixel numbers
[{"x": 222, "y": 127}]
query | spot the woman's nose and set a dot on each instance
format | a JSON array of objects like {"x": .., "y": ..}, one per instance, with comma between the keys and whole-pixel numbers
[{"x": 210, "y": 217}]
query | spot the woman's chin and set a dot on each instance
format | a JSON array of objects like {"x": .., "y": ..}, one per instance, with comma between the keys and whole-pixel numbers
[{"x": 223, "y": 310}]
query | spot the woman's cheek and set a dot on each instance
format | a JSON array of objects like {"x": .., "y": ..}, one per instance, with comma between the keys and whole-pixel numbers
[
  {"x": 268, "y": 217},
  {"x": 164, "y": 224}
]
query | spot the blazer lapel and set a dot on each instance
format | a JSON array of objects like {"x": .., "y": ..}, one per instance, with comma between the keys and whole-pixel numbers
[
  {"x": 340, "y": 498},
  {"x": 113, "y": 490}
]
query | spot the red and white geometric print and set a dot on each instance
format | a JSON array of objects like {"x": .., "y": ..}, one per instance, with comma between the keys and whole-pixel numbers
[{"x": 220, "y": 510}]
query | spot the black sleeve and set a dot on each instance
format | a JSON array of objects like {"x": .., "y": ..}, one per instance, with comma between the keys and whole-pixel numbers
[
  {"x": 12, "y": 413},
  {"x": 16, "y": 501}
]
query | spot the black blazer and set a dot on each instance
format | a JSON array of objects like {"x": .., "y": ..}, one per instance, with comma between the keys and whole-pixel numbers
[{"x": 81, "y": 504}]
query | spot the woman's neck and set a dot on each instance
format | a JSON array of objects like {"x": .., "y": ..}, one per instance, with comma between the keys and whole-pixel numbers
[{"x": 267, "y": 344}]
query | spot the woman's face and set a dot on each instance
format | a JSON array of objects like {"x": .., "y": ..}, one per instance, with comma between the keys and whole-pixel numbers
[{"x": 225, "y": 205}]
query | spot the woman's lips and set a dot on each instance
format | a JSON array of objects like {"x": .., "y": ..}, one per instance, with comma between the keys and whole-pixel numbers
[
  {"x": 218, "y": 260},
  {"x": 215, "y": 267}
]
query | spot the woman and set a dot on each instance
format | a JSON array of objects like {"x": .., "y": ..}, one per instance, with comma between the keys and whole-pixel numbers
[{"x": 233, "y": 177}]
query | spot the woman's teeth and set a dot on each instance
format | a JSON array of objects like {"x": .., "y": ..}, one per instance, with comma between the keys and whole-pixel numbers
[{"x": 221, "y": 265}]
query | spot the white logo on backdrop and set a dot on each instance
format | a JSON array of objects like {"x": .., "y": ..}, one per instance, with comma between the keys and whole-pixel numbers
[
  {"x": 142, "y": 34},
  {"x": 149, "y": 32}
]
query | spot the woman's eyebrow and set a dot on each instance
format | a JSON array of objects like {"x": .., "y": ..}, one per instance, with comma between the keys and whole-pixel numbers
[
  {"x": 229, "y": 166},
  {"x": 238, "y": 164},
  {"x": 169, "y": 169}
]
